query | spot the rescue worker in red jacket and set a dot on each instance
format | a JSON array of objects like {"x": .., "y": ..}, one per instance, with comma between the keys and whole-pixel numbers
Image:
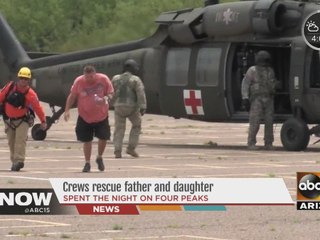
[{"x": 17, "y": 98}]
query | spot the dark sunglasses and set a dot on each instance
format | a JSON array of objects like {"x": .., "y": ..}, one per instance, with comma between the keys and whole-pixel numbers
[{"x": 22, "y": 78}]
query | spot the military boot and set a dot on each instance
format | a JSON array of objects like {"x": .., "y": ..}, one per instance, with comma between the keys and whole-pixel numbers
[
  {"x": 252, "y": 147},
  {"x": 268, "y": 147},
  {"x": 132, "y": 152},
  {"x": 117, "y": 154}
]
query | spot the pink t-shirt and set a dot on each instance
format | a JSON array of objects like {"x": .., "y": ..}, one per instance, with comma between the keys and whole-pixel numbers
[{"x": 88, "y": 108}]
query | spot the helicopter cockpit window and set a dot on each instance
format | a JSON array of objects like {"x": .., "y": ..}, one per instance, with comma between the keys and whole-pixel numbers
[
  {"x": 314, "y": 70},
  {"x": 177, "y": 66},
  {"x": 208, "y": 65}
]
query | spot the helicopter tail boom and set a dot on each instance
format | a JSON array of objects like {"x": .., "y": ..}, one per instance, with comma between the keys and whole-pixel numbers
[{"x": 12, "y": 50}]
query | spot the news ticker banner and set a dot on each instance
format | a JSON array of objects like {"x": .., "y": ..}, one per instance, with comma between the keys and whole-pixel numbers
[{"x": 130, "y": 196}]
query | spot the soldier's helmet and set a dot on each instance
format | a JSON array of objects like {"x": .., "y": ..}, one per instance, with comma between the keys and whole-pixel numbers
[
  {"x": 132, "y": 66},
  {"x": 263, "y": 58}
]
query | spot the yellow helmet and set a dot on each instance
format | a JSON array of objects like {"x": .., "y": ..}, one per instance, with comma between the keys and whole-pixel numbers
[{"x": 24, "y": 72}]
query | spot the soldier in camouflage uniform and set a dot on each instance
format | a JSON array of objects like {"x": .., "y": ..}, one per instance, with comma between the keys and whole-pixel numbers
[
  {"x": 258, "y": 88},
  {"x": 129, "y": 102}
]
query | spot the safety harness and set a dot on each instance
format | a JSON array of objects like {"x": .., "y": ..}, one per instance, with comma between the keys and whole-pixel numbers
[{"x": 12, "y": 122}]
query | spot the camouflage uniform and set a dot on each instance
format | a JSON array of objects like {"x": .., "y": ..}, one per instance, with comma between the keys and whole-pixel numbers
[
  {"x": 259, "y": 87},
  {"x": 129, "y": 101}
]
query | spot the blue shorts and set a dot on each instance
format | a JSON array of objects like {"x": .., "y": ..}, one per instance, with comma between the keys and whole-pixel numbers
[{"x": 86, "y": 131}]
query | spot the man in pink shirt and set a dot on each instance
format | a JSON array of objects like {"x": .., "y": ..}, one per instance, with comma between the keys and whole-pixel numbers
[{"x": 91, "y": 91}]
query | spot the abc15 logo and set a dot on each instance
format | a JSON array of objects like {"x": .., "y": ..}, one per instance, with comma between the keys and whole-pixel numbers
[{"x": 308, "y": 186}]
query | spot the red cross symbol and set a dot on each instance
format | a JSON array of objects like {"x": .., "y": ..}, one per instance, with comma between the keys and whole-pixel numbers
[{"x": 193, "y": 102}]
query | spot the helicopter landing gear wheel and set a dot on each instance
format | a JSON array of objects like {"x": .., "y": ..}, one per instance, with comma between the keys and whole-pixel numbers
[
  {"x": 295, "y": 135},
  {"x": 37, "y": 133}
]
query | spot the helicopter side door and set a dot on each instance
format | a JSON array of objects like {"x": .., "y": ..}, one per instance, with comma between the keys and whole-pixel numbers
[
  {"x": 194, "y": 82},
  {"x": 311, "y": 95},
  {"x": 305, "y": 82}
]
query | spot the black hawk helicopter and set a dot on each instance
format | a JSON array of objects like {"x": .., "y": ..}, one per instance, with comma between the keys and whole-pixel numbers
[{"x": 193, "y": 65}]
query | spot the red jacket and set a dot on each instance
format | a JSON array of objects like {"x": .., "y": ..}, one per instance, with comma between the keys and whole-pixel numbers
[{"x": 31, "y": 100}]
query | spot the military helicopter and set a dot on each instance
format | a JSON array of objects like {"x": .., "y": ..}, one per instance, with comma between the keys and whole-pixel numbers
[{"x": 193, "y": 65}]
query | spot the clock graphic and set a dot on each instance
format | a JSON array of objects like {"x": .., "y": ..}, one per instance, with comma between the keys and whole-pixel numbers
[{"x": 311, "y": 30}]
